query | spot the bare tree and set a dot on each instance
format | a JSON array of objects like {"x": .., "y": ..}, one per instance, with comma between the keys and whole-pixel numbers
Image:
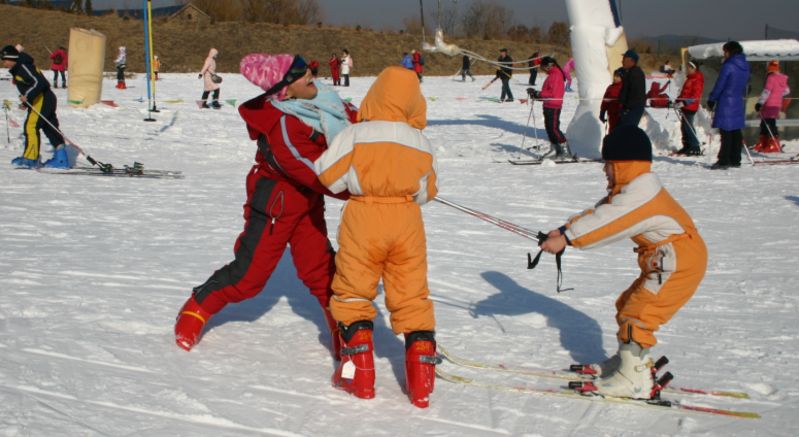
[
  {"x": 308, "y": 11},
  {"x": 558, "y": 34},
  {"x": 486, "y": 19},
  {"x": 448, "y": 19}
]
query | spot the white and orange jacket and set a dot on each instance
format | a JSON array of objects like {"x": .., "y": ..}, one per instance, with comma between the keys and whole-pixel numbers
[
  {"x": 386, "y": 155},
  {"x": 639, "y": 208}
]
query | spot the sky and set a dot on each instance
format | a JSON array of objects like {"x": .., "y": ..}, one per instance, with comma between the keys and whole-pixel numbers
[{"x": 721, "y": 19}]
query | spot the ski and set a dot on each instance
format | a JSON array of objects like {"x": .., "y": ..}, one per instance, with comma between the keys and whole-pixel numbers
[
  {"x": 541, "y": 161},
  {"x": 572, "y": 376},
  {"x": 137, "y": 171},
  {"x": 793, "y": 160},
  {"x": 571, "y": 393}
]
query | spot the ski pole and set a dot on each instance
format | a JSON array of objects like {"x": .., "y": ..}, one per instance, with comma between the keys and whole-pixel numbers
[
  {"x": 504, "y": 224},
  {"x": 524, "y": 135},
  {"x": 102, "y": 166},
  {"x": 8, "y": 134},
  {"x": 539, "y": 237}
]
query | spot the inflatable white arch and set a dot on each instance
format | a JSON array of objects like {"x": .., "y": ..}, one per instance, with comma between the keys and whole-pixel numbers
[{"x": 598, "y": 42}]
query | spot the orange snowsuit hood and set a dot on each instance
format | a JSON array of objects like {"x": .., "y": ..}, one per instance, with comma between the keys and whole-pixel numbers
[
  {"x": 625, "y": 171},
  {"x": 395, "y": 96}
]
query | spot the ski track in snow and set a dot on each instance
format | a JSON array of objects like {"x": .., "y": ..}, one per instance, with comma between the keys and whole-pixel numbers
[{"x": 95, "y": 269}]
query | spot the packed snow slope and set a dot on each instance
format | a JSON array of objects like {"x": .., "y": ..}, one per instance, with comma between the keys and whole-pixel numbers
[{"x": 94, "y": 270}]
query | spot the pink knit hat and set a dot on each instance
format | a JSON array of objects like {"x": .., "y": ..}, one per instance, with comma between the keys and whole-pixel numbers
[{"x": 266, "y": 70}]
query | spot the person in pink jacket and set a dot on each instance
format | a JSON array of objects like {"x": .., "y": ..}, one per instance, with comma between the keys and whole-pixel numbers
[
  {"x": 552, "y": 95},
  {"x": 567, "y": 71},
  {"x": 769, "y": 105}
]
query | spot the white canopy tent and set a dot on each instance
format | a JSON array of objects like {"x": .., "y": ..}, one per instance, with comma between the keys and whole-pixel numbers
[{"x": 765, "y": 50}]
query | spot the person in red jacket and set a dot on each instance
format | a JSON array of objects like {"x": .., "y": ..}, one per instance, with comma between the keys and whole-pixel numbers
[
  {"x": 335, "y": 69},
  {"x": 292, "y": 124},
  {"x": 687, "y": 104},
  {"x": 610, "y": 110},
  {"x": 418, "y": 63},
  {"x": 552, "y": 94},
  {"x": 60, "y": 63}
]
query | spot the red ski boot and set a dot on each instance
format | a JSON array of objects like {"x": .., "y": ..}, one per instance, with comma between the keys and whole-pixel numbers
[
  {"x": 335, "y": 338},
  {"x": 420, "y": 366},
  {"x": 762, "y": 143},
  {"x": 191, "y": 320},
  {"x": 356, "y": 373}
]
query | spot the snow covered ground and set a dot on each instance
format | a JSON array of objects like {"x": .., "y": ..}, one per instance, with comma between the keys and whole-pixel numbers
[{"x": 93, "y": 271}]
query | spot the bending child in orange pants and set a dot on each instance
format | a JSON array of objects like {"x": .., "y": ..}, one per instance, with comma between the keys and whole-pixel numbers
[
  {"x": 671, "y": 254},
  {"x": 388, "y": 166}
]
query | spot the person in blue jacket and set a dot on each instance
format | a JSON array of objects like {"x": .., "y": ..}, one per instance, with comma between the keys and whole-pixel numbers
[
  {"x": 407, "y": 61},
  {"x": 727, "y": 98}
]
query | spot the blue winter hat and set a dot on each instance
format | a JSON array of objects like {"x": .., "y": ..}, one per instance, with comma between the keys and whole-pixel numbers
[{"x": 631, "y": 54}]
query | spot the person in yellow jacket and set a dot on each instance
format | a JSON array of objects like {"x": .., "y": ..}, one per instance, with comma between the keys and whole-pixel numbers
[
  {"x": 671, "y": 254},
  {"x": 388, "y": 166}
]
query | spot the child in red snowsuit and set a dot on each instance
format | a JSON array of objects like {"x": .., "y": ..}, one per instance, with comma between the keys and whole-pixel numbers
[
  {"x": 285, "y": 200},
  {"x": 335, "y": 69},
  {"x": 610, "y": 110}
]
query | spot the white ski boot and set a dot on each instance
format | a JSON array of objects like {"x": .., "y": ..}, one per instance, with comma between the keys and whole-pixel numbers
[{"x": 632, "y": 378}]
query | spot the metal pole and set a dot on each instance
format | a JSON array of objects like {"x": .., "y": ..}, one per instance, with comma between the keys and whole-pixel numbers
[
  {"x": 147, "y": 58},
  {"x": 151, "y": 51},
  {"x": 421, "y": 16}
]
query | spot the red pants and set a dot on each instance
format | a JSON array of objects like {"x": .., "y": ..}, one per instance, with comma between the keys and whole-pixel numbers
[{"x": 277, "y": 213}]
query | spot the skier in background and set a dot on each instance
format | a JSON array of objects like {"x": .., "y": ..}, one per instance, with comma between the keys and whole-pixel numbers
[
  {"x": 388, "y": 166},
  {"x": 418, "y": 64},
  {"x": 291, "y": 123},
  {"x": 610, "y": 109},
  {"x": 769, "y": 105},
  {"x": 551, "y": 94},
  {"x": 567, "y": 71},
  {"x": 534, "y": 64},
  {"x": 504, "y": 73},
  {"x": 60, "y": 63},
  {"x": 210, "y": 80},
  {"x": 40, "y": 101},
  {"x": 727, "y": 99},
  {"x": 688, "y": 103},
  {"x": 407, "y": 60},
  {"x": 121, "y": 63},
  {"x": 633, "y": 90},
  {"x": 671, "y": 254},
  {"x": 466, "y": 67},
  {"x": 346, "y": 66},
  {"x": 335, "y": 69},
  {"x": 156, "y": 66}
]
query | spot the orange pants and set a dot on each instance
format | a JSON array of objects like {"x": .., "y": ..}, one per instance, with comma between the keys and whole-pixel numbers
[
  {"x": 382, "y": 237},
  {"x": 656, "y": 296}
]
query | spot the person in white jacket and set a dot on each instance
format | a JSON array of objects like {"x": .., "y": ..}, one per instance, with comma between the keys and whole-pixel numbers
[
  {"x": 346, "y": 66},
  {"x": 210, "y": 80}
]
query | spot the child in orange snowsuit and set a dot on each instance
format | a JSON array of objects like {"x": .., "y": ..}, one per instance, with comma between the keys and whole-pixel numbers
[
  {"x": 671, "y": 254},
  {"x": 388, "y": 166}
]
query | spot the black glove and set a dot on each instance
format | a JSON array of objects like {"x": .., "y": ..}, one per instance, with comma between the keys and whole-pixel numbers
[
  {"x": 711, "y": 105},
  {"x": 602, "y": 117},
  {"x": 531, "y": 92},
  {"x": 200, "y": 76},
  {"x": 757, "y": 107}
]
